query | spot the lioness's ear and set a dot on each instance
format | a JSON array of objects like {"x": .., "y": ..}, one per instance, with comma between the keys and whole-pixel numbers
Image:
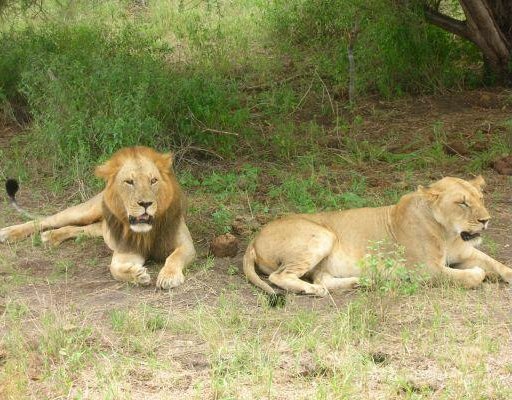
[
  {"x": 428, "y": 191},
  {"x": 478, "y": 182}
]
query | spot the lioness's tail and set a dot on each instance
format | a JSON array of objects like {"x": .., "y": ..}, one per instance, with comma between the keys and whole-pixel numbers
[
  {"x": 250, "y": 270},
  {"x": 11, "y": 187}
]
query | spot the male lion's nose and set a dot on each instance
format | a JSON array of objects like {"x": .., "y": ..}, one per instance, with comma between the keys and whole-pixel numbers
[{"x": 144, "y": 204}]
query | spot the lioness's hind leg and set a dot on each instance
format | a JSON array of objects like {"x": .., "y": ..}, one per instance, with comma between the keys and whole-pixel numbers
[
  {"x": 297, "y": 246},
  {"x": 332, "y": 283},
  {"x": 129, "y": 268},
  {"x": 57, "y": 236},
  {"x": 291, "y": 282}
]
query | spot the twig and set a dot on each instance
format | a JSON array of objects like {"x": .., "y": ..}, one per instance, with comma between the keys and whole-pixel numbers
[
  {"x": 352, "y": 38},
  {"x": 205, "y": 128},
  {"x": 270, "y": 84},
  {"x": 219, "y": 131},
  {"x": 327, "y": 90}
]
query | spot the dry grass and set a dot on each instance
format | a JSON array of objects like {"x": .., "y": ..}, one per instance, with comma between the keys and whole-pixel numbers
[{"x": 68, "y": 330}]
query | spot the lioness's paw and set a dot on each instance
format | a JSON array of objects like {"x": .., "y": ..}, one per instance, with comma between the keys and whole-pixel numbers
[
  {"x": 318, "y": 290},
  {"x": 507, "y": 275},
  {"x": 476, "y": 278},
  {"x": 168, "y": 281}
]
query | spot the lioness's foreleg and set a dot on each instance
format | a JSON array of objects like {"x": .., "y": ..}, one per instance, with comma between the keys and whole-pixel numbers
[
  {"x": 469, "y": 278},
  {"x": 81, "y": 214},
  {"x": 128, "y": 267},
  {"x": 57, "y": 236},
  {"x": 171, "y": 274},
  {"x": 487, "y": 263}
]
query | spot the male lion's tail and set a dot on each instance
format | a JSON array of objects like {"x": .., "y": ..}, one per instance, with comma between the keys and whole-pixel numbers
[
  {"x": 11, "y": 187},
  {"x": 250, "y": 270}
]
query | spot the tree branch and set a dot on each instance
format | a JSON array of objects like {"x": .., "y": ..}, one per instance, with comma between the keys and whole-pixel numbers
[{"x": 447, "y": 23}]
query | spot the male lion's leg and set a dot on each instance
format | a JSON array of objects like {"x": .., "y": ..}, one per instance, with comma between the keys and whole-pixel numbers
[
  {"x": 171, "y": 274},
  {"x": 57, "y": 236},
  {"x": 81, "y": 214},
  {"x": 129, "y": 268},
  {"x": 488, "y": 264}
]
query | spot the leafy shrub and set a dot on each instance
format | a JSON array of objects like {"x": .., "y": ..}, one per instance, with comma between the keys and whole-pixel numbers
[
  {"x": 92, "y": 90},
  {"x": 396, "y": 50}
]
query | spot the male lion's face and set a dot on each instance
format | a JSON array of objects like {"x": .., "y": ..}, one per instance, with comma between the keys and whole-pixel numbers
[
  {"x": 459, "y": 206},
  {"x": 137, "y": 183}
]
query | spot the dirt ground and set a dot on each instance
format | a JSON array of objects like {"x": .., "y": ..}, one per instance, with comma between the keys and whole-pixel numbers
[{"x": 73, "y": 281}]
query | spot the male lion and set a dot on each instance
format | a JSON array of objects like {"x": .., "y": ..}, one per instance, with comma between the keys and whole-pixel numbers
[
  {"x": 140, "y": 215},
  {"x": 438, "y": 227}
]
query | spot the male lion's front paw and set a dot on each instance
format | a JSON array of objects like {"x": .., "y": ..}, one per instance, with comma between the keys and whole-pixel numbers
[
  {"x": 167, "y": 280},
  {"x": 142, "y": 277},
  {"x": 3, "y": 235},
  {"x": 7, "y": 235}
]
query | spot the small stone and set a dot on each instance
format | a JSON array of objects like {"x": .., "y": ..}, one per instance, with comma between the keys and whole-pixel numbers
[
  {"x": 224, "y": 246},
  {"x": 503, "y": 166},
  {"x": 455, "y": 148}
]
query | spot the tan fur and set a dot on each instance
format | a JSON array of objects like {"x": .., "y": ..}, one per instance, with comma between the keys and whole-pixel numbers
[
  {"x": 326, "y": 248},
  {"x": 140, "y": 214}
]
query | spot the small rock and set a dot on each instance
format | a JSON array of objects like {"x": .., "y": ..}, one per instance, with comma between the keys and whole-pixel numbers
[
  {"x": 224, "y": 246},
  {"x": 503, "y": 166},
  {"x": 455, "y": 148}
]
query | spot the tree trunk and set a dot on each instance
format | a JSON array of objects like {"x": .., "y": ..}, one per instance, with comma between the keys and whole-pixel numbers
[{"x": 488, "y": 25}]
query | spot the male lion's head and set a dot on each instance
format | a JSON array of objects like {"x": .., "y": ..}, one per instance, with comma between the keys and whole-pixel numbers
[
  {"x": 140, "y": 186},
  {"x": 458, "y": 205}
]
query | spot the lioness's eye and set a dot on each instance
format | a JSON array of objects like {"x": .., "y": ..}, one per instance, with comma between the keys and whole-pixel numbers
[
  {"x": 464, "y": 204},
  {"x": 129, "y": 182},
  {"x": 153, "y": 181}
]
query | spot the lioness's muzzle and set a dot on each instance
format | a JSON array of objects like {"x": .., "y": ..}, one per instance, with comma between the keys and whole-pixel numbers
[{"x": 469, "y": 236}]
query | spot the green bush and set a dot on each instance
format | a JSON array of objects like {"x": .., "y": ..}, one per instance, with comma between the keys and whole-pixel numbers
[
  {"x": 396, "y": 50},
  {"x": 91, "y": 90}
]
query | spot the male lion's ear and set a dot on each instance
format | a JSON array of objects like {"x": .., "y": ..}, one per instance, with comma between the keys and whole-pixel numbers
[
  {"x": 478, "y": 182},
  {"x": 104, "y": 171},
  {"x": 166, "y": 161}
]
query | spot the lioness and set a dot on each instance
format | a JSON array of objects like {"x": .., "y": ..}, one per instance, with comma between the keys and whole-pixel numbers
[
  {"x": 140, "y": 215},
  {"x": 438, "y": 226}
]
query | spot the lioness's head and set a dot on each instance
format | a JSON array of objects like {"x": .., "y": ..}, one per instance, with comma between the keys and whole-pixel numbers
[
  {"x": 458, "y": 205},
  {"x": 140, "y": 186}
]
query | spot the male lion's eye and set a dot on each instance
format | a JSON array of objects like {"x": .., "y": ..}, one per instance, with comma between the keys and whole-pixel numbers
[
  {"x": 129, "y": 182},
  {"x": 153, "y": 181}
]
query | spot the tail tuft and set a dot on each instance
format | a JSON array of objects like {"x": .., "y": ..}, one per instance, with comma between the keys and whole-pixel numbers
[
  {"x": 276, "y": 300},
  {"x": 12, "y": 186}
]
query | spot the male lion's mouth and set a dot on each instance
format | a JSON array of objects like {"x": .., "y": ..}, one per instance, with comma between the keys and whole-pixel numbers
[
  {"x": 141, "y": 219},
  {"x": 469, "y": 236}
]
